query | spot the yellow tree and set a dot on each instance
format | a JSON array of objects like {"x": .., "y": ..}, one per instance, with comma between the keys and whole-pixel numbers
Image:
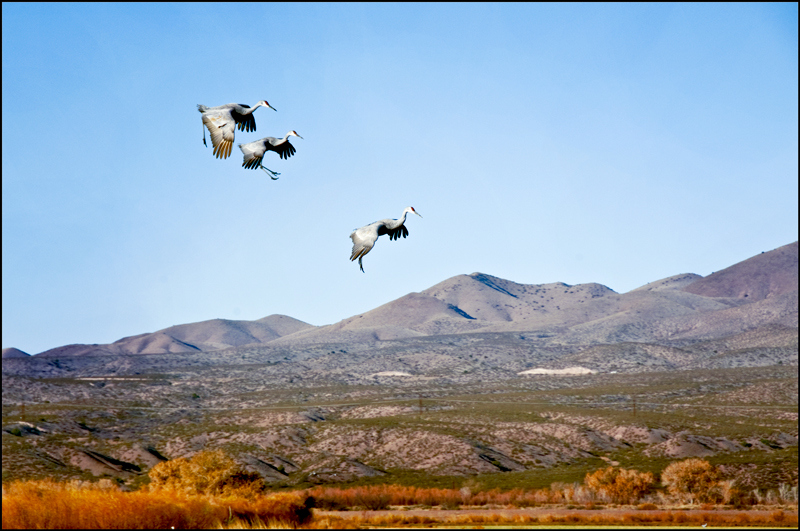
[
  {"x": 694, "y": 478},
  {"x": 620, "y": 485}
]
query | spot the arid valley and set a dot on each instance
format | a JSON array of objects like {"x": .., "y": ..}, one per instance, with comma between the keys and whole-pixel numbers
[{"x": 477, "y": 382}]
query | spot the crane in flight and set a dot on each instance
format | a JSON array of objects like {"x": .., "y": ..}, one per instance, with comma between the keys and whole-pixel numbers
[
  {"x": 222, "y": 122},
  {"x": 365, "y": 237},
  {"x": 254, "y": 152}
]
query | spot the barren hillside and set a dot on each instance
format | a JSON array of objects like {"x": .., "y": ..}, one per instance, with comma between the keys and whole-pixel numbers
[{"x": 765, "y": 275}]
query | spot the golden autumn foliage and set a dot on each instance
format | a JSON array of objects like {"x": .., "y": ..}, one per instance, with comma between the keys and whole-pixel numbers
[
  {"x": 208, "y": 472},
  {"x": 102, "y": 505},
  {"x": 376, "y": 497},
  {"x": 620, "y": 485},
  {"x": 81, "y": 505},
  {"x": 210, "y": 490},
  {"x": 51, "y": 505},
  {"x": 693, "y": 478}
]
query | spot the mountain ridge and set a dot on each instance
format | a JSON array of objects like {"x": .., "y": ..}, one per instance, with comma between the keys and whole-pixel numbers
[{"x": 755, "y": 292}]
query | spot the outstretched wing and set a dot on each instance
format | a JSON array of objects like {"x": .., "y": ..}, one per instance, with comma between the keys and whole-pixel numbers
[
  {"x": 284, "y": 149},
  {"x": 363, "y": 241},
  {"x": 245, "y": 122},
  {"x": 394, "y": 234},
  {"x": 221, "y": 127},
  {"x": 253, "y": 154}
]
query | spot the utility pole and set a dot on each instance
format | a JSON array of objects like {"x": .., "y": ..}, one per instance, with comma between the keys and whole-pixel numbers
[{"x": 22, "y": 413}]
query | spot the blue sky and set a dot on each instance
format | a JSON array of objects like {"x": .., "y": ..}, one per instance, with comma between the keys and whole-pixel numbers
[{"x": 610, "y": 143}]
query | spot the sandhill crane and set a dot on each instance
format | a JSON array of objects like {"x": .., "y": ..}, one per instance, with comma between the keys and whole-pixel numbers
[
  {"x": 254, "y": 151},
  {"x": 365, "y": 237},
  {"x": 223, "y": 120}
]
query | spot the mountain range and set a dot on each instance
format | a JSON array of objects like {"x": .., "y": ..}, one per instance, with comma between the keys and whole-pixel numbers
[
  {"x": 759, "y": 293},
  {"x": 472, "y": 377}
]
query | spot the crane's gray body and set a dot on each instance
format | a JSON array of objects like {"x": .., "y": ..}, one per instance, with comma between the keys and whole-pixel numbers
[{"x": 364, "y": 238}]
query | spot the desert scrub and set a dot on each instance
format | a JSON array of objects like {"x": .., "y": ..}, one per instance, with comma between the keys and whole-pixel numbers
[
  {"x": 620, "y": 485},
  {"x": 208, "y": 472},
  {"x": 51, "y": 505},
  {"x": 694, "y": 478},
  {"x": 101, "y": 505}
]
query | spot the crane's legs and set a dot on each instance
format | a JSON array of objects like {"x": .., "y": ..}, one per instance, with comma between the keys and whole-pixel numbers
[{"x": 272, "y": 174}]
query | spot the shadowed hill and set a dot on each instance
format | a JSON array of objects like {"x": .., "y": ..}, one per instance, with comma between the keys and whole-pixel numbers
[
  {"x": 14, "y": 353},
  {"x": 497, "y": 300},
  {"x": 765, "y": 275}
]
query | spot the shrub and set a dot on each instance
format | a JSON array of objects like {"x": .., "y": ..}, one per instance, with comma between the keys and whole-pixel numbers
[
  {"x": 694, "y": 478},
  {"x": 208, "y": 472},
  {"x": 293, "y": 508},
  {"x": 620, "y": 485}
]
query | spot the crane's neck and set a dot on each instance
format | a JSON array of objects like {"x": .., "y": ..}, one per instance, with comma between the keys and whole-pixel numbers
[{"x": 251, "y": 109}]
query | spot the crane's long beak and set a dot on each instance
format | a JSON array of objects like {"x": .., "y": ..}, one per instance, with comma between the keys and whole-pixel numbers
[
  {"x": 417, "y": 213},
  {"x": 271, "y": 107}
]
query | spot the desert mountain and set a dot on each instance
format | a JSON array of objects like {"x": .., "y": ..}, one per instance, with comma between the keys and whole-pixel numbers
[
  {"x": 765, "y": 275},
  {"x": 758, "y": 292},
  {"x": 214, "y": 334},
  {"x": 14, "y": 353}
]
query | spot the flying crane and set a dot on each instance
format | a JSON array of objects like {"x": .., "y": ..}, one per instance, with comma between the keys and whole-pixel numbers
[
  {"x": 254, "y": 151},
  {"x": 365, "y": 237},
  {"x": 222, "y": 122}
]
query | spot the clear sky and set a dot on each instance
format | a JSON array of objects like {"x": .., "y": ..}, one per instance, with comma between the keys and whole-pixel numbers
[{"x": 610, "y": 143}]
